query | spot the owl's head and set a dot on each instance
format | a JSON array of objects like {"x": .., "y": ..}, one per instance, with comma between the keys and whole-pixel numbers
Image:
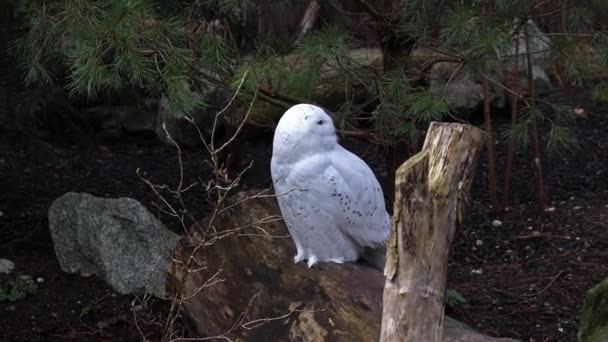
[{"x": 305, "y": 128}]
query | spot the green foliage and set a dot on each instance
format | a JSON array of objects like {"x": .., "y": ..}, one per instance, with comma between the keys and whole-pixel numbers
[
  {"x": 600, "y": 93},
  {"x": 453, "y": 298},
  {"x": 106, "y": 47},
  {"x": 558, "y": 118},
  {"x": 403, "y": 109},
  {"x": 216, "y": 54},
  {"x": 324, "y": 44},
  {"x": 461, "y": 27},
  {"x": 17, "y": 289}
]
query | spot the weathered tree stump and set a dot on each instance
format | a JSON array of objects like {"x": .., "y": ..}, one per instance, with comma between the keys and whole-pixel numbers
[
  {"x": 428, "y": 188},
  {"x": 242, "y": 284}
]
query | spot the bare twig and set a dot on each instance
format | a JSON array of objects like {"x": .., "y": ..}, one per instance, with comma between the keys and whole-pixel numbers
[{"x": 546, "y": 287}]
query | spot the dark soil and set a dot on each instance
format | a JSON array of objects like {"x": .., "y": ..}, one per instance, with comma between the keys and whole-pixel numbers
[
  {"x": 525, "y": 279},
  {"x": 535, "y": 271}
]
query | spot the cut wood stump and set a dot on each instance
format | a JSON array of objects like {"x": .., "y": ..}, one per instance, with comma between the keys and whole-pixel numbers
[
  {"x": 428, "y": 189},
  {"x": 241, "y": 284}
]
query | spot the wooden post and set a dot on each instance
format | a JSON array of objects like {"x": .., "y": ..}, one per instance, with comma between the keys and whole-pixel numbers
[{"x": 430, "y": 188}]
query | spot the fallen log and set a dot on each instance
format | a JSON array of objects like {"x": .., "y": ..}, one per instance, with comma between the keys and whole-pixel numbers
[
  {"x": 237, "y": 281},
  {"x": 428, "y": 189}
]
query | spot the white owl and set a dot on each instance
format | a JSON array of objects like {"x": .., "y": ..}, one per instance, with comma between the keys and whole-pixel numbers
[{"x": 330, "y": 199}]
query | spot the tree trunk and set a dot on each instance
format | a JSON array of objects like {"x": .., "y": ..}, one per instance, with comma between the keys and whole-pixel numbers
[
  {"x": 429, "y": 187},
  {"x": 242, "y": 283}
]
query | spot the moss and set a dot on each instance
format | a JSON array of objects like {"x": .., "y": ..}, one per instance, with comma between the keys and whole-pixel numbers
[
  {"x": 600, "y": 93},
  {"x": 594, "y": 323}
]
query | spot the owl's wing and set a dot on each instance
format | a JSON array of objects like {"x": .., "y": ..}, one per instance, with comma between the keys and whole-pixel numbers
[
  {"x": 310, "y": 209},
  {"x": 349, "y": 192}
]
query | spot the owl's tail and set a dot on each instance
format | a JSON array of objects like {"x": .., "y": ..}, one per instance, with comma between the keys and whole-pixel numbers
[{"x": 376, "y": 257}]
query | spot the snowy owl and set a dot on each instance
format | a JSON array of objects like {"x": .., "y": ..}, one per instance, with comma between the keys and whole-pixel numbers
[{"x": 330, "y": 200}]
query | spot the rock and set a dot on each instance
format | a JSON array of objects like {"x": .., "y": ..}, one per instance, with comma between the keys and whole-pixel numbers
[
  {"x": 594, "y": 321},
  {"x": 138, "y": 119},
  {"x": 540, "y": 56},
  {"x": 496, "y": 223},
  {"x": 6, "y": 266},
  {"x": 117, "y": 239},
  {"x": 251, "y": 279},
  {"x": 461, "y": 91}
]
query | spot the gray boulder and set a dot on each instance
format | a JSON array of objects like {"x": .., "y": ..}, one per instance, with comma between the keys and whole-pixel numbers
[
  {"x": 462, "y": 90},
  {"x": 117, "y": 239},
  {"x": 540, "y": 57},
  {"x": 457, "y": 331}
]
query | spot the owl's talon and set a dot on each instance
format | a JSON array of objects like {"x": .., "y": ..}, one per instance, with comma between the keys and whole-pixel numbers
[
  {"x": 337, "y": 260},
  {"x": 312, "y": 261},
  {"x": 298, "y": 258}
]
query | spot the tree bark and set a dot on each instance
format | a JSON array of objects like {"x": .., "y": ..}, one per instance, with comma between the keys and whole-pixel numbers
[
  {"x": 511, "y": 147},
  {"x": 429, "y": 187}
]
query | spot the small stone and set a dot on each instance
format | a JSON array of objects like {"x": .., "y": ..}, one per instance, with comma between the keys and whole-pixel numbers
[
  {"x": 479, "y": 243},
  {"x": 496, "y": 223},
  {"x": 473, "y": 248},
  {"x": 6, "y": 266},
  {"x": 550, "y": 209},
  {"x": 477, "y": 271},
  {"x": 572, "y": 198},
  {"x": 11, "y": 308},
  {"x": 578, "y": 207},
  {"x": 85, "y": 274},
  {"x": 40, "y": 280},
  {"x": 137, "y": 308}
]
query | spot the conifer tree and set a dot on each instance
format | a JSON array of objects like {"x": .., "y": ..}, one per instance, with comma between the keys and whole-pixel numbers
[{"x": 99, "y": 48}]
